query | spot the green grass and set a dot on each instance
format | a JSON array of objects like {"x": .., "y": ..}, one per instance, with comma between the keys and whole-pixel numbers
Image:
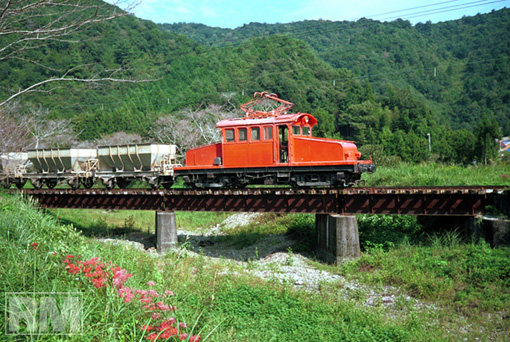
[
  {"x": 93, "y": 222},
  {"x": 467, "y": 277},
  {"x": 432, "y": 174},
  {"x": 295, "y": 225}
]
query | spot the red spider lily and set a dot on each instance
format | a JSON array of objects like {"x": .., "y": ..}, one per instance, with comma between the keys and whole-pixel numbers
[
  {"x": 103, "y": 275},
  {"x": 120, "y": 276},
  {"x": 126, "y": 293}
]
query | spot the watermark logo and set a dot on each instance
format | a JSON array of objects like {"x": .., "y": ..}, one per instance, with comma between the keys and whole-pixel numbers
[{"x": 43, "y": 313}]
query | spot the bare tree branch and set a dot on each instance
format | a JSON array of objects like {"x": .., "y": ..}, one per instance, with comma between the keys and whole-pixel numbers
[
  {"x": 13, "y": 137},
  {"x": 191, "y": 128},
  {"x": 28, "y": 24},
  {"x": 34, "y": 86},
  {"x": 46, "y": 132}
]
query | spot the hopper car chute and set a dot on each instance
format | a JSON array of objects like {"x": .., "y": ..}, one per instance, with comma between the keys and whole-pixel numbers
[{"x": 264, "y": 147}]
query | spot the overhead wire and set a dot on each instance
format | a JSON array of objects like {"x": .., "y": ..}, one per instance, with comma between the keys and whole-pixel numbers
[
  {"x": 448, "y": 9},
  {"x": 306, "y": 31}
]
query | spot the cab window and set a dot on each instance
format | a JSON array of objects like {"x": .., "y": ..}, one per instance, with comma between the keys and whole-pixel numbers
[
  {"x": 243, "y": 136},
  {"x": 296, "y": 130},
  {"x": 255, "y": 134},
  {"x": 229, "y": 135},
  {"x": 306, "y": 130},
  {"x": 268, "y": 133}
]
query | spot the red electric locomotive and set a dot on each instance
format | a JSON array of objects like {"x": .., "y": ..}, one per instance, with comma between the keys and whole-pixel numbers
[{"x": 272, "y": 147}]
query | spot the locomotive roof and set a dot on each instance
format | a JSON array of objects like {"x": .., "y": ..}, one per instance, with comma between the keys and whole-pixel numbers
[{"x": 280, "y": 119}]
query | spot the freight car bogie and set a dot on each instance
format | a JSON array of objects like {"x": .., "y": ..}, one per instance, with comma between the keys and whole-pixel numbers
[
  {"x": 154, "y": 180},
  {"x": 51, "y": 181},
  {"x": 7, "y": 182}
]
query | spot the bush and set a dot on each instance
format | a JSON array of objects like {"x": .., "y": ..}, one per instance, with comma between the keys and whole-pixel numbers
[{"x": 386, "y": 231}]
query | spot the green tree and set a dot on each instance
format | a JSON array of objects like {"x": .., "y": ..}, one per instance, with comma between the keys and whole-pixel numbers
[{"x": 487, "y": 132}]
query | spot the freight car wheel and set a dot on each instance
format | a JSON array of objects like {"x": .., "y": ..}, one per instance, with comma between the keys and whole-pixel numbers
[
  {"x": 37, "y": 184},
  {"x": 88, "y": 183},
  {"x": 5, "y": 183},
  {"x": 109, "y": 183},
  {"x": 51, "y": 183},
  {"x": 19, "y": 184},
  {"x": 123, "y": 182},
  {"x": 74, "y": 183},
  {"x": 155, "y": 184},
  {"x": 168, "y": 185}
]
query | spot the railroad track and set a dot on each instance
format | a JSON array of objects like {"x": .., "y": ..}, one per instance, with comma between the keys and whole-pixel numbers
[
  {"x": 444, "y": 200},
  {"x": 407, "y": 190}
]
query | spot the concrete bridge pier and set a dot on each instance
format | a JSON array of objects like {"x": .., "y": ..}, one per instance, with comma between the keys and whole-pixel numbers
[
  {"x": 337, "y": 238},
  {"x": 166, "y": 231}
]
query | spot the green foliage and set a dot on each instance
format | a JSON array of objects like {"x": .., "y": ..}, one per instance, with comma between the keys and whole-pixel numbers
[
  {"x": 446, "y": 271},
  {"x": 433, "y": 174},
  {"x": 387, "y": 231},
  {"x": 486, "y": 133},
  {"x": 282, "y": 314}
]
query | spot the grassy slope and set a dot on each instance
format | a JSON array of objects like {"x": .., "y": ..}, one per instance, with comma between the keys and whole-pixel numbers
[{"x": 431, "y": 174}]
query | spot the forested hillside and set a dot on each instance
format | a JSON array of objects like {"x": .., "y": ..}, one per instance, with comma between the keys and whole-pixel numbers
[
  {"x": 461, "y": 67},
  {"x": 367, "y": 81}
]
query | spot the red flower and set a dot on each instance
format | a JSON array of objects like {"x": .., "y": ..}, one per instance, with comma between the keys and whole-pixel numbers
[
  {"x": 126, "y": 293},
  {"x": 34, "y": 245}
]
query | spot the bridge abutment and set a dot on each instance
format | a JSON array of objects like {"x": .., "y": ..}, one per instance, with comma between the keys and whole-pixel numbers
[
  {"x": 166, "y": 231},
  {"x": 337, "y": 238}
]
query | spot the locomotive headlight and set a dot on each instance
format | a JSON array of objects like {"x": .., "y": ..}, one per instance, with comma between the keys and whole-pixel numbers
[{"x": 306, "y": 119}]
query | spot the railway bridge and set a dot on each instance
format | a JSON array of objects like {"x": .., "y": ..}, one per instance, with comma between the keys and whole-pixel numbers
[{"x": 336, "y": 226}]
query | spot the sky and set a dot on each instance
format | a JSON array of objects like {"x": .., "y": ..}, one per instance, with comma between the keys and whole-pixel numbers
[{"x": 233, "y": 13}]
